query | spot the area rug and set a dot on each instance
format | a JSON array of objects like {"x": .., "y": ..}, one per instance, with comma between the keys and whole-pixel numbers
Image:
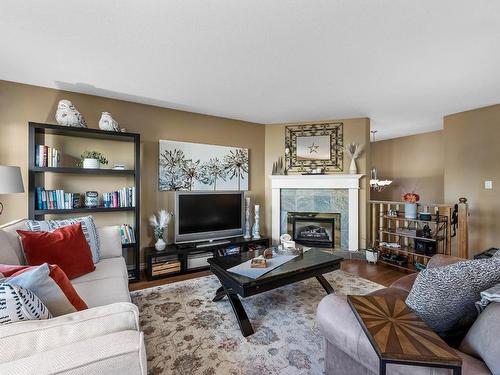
[{"x": 187, "y": 333}]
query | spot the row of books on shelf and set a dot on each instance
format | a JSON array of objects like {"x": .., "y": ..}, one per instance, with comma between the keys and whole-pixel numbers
[
  {"x": 125, "y": 197},
  {"x": 55, "y": 199},
  {"x": 46, "y": 156},
  {"x": 58, "y": 199},
  {"x": 127, "y": 233}
]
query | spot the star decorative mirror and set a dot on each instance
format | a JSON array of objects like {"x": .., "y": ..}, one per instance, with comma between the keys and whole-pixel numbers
[{"x": 312, "y": 146}]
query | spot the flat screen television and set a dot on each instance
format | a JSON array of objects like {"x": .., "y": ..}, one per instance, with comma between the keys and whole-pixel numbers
[{"x": 205, "y": 216}]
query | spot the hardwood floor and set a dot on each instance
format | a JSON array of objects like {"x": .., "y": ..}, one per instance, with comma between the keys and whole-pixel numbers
[{"x": 378, "y": 273}]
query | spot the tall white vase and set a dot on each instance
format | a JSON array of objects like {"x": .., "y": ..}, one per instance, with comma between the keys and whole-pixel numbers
[
  {"x": 353, "y": 169},
  {"x": 248, "y": 232},
  {"x": 256, "y": 224}
]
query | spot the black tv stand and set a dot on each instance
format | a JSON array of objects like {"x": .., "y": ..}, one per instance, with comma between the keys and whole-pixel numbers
[{"x": 183, "y": 254}]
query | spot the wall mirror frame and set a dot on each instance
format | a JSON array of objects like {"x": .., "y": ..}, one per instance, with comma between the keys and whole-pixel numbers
[{"x": 312, "y": 146}]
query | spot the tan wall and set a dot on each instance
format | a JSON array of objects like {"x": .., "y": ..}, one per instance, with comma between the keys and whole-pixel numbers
[
  {"x": 20, "y": 104},
  {"x": 414, "y": 163},
  {"x": 472, "y": 155},
  {"x": 355, "y": 130}
]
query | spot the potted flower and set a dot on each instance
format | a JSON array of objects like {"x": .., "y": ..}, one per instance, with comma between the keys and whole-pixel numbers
[
  {"x": 92, "y": 160},
  {"x": 410, "y": 200},
  {"x": 160, "y": 223}
]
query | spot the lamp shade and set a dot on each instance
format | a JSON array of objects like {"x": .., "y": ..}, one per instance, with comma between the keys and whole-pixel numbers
[{"x": 10, "y": 180}]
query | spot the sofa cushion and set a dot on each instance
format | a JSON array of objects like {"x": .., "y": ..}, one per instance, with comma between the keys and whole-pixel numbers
[
  {"x": 395, "y": 292},
  {"x": 88, "y": 227},
  {"x": 444, "y": 297},
  {"x": 11, "y": 243},
  {"x": 65, "y": 247},
  {"x": 117, "y": 353},
  {"x": 50, "y": 284},
  {"x": 110, "y": 239},
  {"x": 482, "y": 339},
  {"x": 107, "y": 284},
  {"x": 405, "y": 283},
  {"x": 18, "y": 304},
  {"x": 23, "y": 340}
]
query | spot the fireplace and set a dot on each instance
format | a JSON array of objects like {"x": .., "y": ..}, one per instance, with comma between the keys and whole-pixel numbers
[{"x": 315, "y": 229}]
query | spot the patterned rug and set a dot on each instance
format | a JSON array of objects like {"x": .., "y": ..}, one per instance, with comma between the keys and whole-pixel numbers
[{"x": 187, "y": 333}]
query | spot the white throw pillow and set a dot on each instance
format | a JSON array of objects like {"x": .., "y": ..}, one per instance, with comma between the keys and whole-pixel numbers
[{"x": 18, "y": 304}]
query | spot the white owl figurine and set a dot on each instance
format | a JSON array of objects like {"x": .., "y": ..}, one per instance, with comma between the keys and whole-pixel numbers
[
  {"x": 107, "y": 122},
  {"x": 68, "y": 115}
]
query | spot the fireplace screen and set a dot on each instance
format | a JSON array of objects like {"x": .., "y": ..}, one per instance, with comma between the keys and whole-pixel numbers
[{"x": 311, "y": 229}]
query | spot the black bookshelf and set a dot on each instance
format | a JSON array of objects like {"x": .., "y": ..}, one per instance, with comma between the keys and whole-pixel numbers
[{"x": 36, "y": 177}]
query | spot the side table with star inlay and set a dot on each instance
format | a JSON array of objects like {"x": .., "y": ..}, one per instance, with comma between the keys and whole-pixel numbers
[{"x": 401, "y": 337}]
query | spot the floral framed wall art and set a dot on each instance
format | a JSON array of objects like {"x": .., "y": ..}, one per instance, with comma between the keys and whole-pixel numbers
[
  {"x": 314, "y": 145},
  {"x": 196, "y": 166}
]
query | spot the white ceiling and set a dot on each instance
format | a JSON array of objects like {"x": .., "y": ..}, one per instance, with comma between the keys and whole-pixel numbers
[{"x": 404, "y": 64}]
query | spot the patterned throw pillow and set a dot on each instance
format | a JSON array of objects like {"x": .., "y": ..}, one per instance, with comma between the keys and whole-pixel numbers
[
  {"x": 88, "y": 226},
  {"x": 18, "y": 303},
  {"x": 49, "y": 283},
  {"x": 444, "y": 297}
]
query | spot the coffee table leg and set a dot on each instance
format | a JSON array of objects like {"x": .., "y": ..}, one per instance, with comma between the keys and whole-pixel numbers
[
  {"x": 238, "y": 309},
  {"x": 325, "y": 284},
  {"x": 241, "y": 315},
  {"x": 219, "y": 294}
]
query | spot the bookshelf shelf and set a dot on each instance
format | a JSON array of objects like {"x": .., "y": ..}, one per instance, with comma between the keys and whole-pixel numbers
[
  {"x": 83, "y": 210},
  {"x": 36, "y": 177},
  {"x": 70, "y": 170}
]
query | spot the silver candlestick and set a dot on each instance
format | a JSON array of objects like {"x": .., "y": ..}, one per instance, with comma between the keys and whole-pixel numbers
[
  {"x": 256, "y": 224},
  {"x": 248, "y": 233}
]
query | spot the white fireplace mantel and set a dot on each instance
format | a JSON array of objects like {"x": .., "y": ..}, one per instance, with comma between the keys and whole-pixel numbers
[{"x": 331, "y": 181}]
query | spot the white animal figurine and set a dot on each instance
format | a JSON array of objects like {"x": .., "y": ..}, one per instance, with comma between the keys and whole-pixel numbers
[
  {"x": 107, "y": 122},
  {"x": 68, "y": 115}
]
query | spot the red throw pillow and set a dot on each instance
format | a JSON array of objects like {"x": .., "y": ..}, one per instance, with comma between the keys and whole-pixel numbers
[
  {"x": 57, "y": 275},
  {"x": 65, "y": 247}
]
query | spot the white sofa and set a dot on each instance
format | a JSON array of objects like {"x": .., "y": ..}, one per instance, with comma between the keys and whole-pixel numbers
[{"x": 105, "y": 339}]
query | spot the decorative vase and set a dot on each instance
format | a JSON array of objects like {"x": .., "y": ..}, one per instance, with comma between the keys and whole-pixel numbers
[
  {"x": 248, "y": 233},
  {"x": 91, "y": 163},
  {"x": 160, "y": 244},
  {"x": 256, "y": 224},
  {"x": 353, "y": 169},
  {"x": 91, "y": 199},
  {"x": 410, "y": 210}
]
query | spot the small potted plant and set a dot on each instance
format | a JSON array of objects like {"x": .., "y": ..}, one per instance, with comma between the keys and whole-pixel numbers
[
  {"x": 410, "y": 200},
  {"x": 160, "y": 223},
  {"x": 92, "y": 160}
]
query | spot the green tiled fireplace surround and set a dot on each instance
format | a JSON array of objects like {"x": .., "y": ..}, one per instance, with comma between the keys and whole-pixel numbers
[{"x": 317, "y": 200}]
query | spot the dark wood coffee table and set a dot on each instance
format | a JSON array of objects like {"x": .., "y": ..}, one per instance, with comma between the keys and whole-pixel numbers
[
  {"x": 313, "y": 263},
  {"x": 401, "y": 337}
]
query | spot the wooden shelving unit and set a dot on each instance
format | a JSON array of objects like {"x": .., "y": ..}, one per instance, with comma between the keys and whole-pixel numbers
[
  {"x": 386, "y": 229},
  {"x": 36, "y": 177}
]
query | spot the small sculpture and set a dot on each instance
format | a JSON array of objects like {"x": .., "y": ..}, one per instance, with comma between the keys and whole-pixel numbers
[
  {"x": 68, "y": 115},
  {"x": 268, "y": 253},
  {"x": 258, "y": 262},
  {"x": 279, "y": 167},
  {"x": 108, "y": 123}
]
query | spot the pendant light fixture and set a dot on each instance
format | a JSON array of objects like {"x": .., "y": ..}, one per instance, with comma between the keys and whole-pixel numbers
[{"x": 375, "y": 183}]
